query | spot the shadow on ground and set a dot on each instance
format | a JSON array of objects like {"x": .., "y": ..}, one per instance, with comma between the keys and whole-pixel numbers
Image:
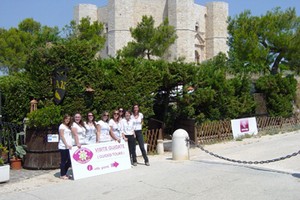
[{"x": 296, "y": 175}]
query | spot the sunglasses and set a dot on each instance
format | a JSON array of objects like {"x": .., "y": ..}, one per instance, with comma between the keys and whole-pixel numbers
[
  {"x": 116, "y": 113},
  {"x": 105, "y": 115}
]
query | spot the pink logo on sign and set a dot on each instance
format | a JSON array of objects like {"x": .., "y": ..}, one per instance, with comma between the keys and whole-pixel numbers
[
  {"x": 115, "y": 164},
  {"x": 244, "y": 125},
  {"x": 83, "y": 155},
  {"x": 90, "y": 167}
]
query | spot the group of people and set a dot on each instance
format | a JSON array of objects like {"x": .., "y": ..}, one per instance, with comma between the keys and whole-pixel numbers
[{"x": 124, "y": 125}]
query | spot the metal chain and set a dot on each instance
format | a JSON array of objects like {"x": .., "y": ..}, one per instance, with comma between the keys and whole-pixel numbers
[{"x": 242, "y": 161}]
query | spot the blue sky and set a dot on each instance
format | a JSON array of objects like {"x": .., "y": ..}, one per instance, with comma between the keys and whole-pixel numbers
[{"x": 60, "y": 12}]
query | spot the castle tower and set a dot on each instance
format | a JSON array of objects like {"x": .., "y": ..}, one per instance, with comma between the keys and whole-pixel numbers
[
  {"x": 85, "y": 10},
  {"x": 201, "y": 30},
  {"x": 180, "y": 16},
  {"x": 120, "y": 17},
  {"x": 216, "y": 28}
]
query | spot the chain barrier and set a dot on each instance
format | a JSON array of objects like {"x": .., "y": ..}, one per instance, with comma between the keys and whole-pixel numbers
[{"x": 242, "y": 161}]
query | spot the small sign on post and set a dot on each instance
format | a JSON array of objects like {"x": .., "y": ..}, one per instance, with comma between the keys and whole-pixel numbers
[
  {"x": 52, "y": 138},
  {"x": 243, "y": 126}
]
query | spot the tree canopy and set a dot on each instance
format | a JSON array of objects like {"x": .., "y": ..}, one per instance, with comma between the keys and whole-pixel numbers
[
  {"x": 148, "y": 40},
  {"x": 166, "y": 90},
  {"x": 265, "y": 43},
  {"x": 16, "y": 44}
]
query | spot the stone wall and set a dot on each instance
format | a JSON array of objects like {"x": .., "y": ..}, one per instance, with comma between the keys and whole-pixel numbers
[{"x": 201, "y": 30}]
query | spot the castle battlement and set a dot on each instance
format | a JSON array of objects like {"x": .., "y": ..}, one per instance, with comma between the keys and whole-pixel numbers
[{"x": 201, "y": 30}]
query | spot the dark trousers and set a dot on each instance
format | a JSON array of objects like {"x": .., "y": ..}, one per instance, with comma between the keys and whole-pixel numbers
[
  {"x": 140, "y": 139},
  {"x": 65, "y": 161},
  {"x": 131, "y": 146}
]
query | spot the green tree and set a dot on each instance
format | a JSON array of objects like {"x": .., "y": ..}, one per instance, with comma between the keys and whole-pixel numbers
[
  {"x": 90, "y": 32},
  {"x": 17, "y": 43},
  {"x": 148, "y": 40},
  {"x": 16, "y": 93},
  {"x": 214, "y": 95},
  {"x": 262, "y": 44},
  {"x": 14, "y": 47},
  {"x": 280, "y": 93}
]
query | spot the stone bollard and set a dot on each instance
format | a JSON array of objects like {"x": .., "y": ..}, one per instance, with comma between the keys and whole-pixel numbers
[
  {"x": 180, "y": 145},
  {"x": 160, "y": 147}
]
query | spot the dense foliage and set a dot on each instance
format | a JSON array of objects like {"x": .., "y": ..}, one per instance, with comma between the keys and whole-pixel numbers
[
  {"x": 280, "y": 93},
  {"x": 164, "y": 90},
  {"x": 149, "y": 41},
  {"x": 265, "y": 44}
]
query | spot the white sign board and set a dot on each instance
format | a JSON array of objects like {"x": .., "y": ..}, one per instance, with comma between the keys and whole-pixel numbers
[
  {"x": 101, "y": 158},
  {"x": 243, "y": 126},
  {"x": 52, "y": 138}
]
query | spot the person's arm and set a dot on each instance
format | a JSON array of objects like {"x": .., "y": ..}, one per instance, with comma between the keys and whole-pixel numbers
[
  {"x": 75, "y": 134},
  {"x": 142, "y": 120},
  {"x": 98, "y": 127},
  {"x": 62, "y": 137},
  {"x": 122, "y": 132},
  {"x": 112, "y": 135},
  {"x": 133, "y": 131}
]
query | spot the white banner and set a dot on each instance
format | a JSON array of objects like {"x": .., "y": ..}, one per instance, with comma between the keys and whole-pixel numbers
[
  {"x": 101, "y": 158},
  {"x": 244, "y": 126}
]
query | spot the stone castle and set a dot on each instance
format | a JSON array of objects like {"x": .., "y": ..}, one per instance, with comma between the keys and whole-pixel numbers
[{"x": 201, "y": 30}]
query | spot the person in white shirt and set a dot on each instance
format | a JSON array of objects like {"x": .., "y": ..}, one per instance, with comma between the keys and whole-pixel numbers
[
  {"x": 115, "y": 126},
  {"x": 121, "y": 113},
  {"x": 127, "y": 130},
  {"x": 92, "y": 132},
  {"x": 79, "y": 131},
  {"x": 64, "y": 144},
  {"x": 137, "y": 119},
  {"x": 104, "y": 129}
]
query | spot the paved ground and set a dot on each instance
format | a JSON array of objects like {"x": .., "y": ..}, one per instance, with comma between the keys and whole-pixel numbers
[
  {"x": 200, "y": 177},
  {"x": 20, "y": 175}
]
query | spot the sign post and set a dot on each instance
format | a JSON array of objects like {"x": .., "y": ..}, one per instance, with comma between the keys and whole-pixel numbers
[{"x": 243, "y": 126}]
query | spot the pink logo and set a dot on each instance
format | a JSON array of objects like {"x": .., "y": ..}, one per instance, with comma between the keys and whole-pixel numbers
[
  {"x": 244, "y": 125},
  {"x": 90, "y": 167},
  {"x": 115, "y": 164},
  {"x": 83, "y": 155}
]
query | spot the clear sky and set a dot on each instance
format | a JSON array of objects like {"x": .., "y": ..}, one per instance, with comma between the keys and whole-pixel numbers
[{"x": 60, "y": 12}]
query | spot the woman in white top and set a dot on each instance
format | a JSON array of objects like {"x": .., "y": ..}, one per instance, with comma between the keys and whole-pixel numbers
[
  {"x": 104, "y": 129},
  {"x": 64, "y": 144},
  {"x": 121, "y": 113},
  {"x": 79, "y": 130},
  {"x": 127, "y": 130},
  {"x": 137, "y": 118},
  {"x": 92, "y": 133},
  {"x": 115, "y": 127}
]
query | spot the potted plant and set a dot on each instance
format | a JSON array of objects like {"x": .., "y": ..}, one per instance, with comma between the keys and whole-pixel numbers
[
  {"x": 18, "y": 154},
  {"x": 42, "y": 124},
  {"x": 16, "y": 160},
  {"x": 3, "y": 153},
  {"x": 4, "y": 168}
]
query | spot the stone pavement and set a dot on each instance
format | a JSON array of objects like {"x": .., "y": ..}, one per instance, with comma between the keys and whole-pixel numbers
[
  {"x": 23, "y": 174},
  {"x": 200, "y": 177}
]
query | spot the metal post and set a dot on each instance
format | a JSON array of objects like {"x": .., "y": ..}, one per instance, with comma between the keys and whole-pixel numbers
[{"x": 0, "y": 107}]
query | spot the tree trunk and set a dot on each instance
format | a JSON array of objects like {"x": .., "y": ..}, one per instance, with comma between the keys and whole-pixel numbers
[{"x": 275, "y": 66}]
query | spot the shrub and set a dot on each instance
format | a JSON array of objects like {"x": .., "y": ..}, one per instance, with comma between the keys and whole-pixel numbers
[{"x": 45, "y": 117}]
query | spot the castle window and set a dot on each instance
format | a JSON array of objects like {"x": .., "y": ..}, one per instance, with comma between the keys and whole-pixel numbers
[
  {"x": 197, "y": 57},
  {"x": 197, "y": 26},
  {"x": 106, "y": 27}
]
